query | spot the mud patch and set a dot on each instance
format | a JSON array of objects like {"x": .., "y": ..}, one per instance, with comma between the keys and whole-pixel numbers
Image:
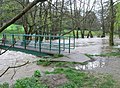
[{"x": 54, "y": 80}]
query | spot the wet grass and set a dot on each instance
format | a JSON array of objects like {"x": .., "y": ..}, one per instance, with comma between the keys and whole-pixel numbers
[
  {"x": 49, "y": 62},
  {"x": 31, "y": 82},
  {"x": 106, "y": 54},
  {"x": 80, "y": 79},
  {"x": 76, "y": 79}
]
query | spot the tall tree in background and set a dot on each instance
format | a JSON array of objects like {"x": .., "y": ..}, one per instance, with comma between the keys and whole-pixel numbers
[
  {"x": 111, "y": 41},
  {"x": 102, "y": 19},
  {"x": 117, "y": 19}
]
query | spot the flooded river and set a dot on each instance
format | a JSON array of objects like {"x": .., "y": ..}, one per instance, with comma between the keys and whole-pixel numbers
[
  {"x": 94, "y": 45},
  {"x": 84, "y": 46},
  {"x": 108, "y": 65}
]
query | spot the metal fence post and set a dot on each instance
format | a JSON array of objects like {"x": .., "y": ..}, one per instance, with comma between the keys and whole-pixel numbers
[
  {"x": 50, "y": 42},
  {"x": 35, "y": 41},
  {"x": 59, "y": 45},
  {"x": 24, "y": 41},
  {"x": 13, "y": 41},
  {"x": 69, "y": 43},
  {"x": 63, "y": 43},
  {"x": 39, "y": 43}
]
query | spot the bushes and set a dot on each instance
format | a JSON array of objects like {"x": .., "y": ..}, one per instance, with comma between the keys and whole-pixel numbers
[
  {"x": 4, "y": 85},
  {"x": 37, "y": 73},
  {"x": 29, "y": 83}
]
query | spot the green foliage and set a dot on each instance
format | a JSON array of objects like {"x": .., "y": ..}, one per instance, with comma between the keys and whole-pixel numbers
[
  {"x": 14, "y": 29},
  {"x": 37, "y": 73},
  {"x": 29, "y": 83},
  {"x": 117, "y": 19},
  {"x": 9, "y": 9},
  {"x": 63, "y": 64},
  {"x": 107, "y": 54},
  {"x": 43, "y": 62},
  {"x": 4, "y": 85},
  {"x": 58, "y": 63},
  {"x": 58, "y": 55},
  {"x": 79, "y": 79},
  {"x": 76, "y": 79},
  {"x": 107, "y": 83}
]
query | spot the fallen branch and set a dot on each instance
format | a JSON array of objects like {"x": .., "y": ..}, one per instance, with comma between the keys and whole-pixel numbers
[
  {"x": 14, "y": 70},
  {"x": 13, "y": 67},
  {"x": 7, "y": 48}
]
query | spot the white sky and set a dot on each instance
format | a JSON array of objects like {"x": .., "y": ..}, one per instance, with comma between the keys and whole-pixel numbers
[{"x": 86, "y": 3}]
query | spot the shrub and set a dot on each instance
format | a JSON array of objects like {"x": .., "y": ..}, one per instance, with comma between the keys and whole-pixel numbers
[
  {"x": 37, "y": 73},
  {"x": 4, "y": 85},
  {"x": 29, "y": 83}
]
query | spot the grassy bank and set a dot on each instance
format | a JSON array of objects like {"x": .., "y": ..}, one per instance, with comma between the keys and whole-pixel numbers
[{"x": 75, "y": 79}]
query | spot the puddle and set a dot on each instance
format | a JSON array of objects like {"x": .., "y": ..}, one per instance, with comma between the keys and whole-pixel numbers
[{"x": 91, "y": 65}]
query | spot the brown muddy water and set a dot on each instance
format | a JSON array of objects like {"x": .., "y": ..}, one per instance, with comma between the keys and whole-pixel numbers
[
  {"x": 94, "y": 46},
  {"x": 107, "y": 65},
  {"x": 84, "y": 46}
]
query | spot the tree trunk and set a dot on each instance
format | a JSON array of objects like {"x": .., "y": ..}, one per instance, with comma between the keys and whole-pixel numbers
[
  {"x": 102, "y": 19},
  {"x": 77, "y": 34},
  {"x": 82, "y": 33},
  {"x": 90, "y": 34},
  {"x": 20, "y": 14},
  {"x": 111, "y": 41}
]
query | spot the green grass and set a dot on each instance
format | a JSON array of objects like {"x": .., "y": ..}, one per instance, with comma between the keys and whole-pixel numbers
[
  {"x": 49, "y": 62},
  {"x": 58, "y": 55},
  {"x": 45, "y": 62},
  {"x": 80, "y": 79},
  {"x": 4, "y": 85},
  {"x": 106, "y": 54},
  {"x": 76, "y": 79},
  {"x": 29, "y": 83}
]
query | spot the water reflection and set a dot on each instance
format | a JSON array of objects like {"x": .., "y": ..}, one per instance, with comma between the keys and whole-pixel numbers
[{"x": 91, "y": 65}]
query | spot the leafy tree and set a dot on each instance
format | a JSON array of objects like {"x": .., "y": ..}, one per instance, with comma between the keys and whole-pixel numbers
[
  {"x": 117, "y": 19},
  {"x": 14, "y": 19}
]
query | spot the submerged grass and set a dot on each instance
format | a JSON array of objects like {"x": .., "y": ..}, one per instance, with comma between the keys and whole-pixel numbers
[
  {"x": 106, "y": 54},
  {"x": 49, "y": 62}
]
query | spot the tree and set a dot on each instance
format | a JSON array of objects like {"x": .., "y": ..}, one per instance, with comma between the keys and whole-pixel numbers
[
  {"x": 117, "y": 19},
  {"x": 102, "y": 19},
  {"x": 111, "y": 41},
  {"x": 20, "y": 14}
]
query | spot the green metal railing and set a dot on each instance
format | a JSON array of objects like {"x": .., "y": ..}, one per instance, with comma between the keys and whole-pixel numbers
[{"x": 60, "y": 44}]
